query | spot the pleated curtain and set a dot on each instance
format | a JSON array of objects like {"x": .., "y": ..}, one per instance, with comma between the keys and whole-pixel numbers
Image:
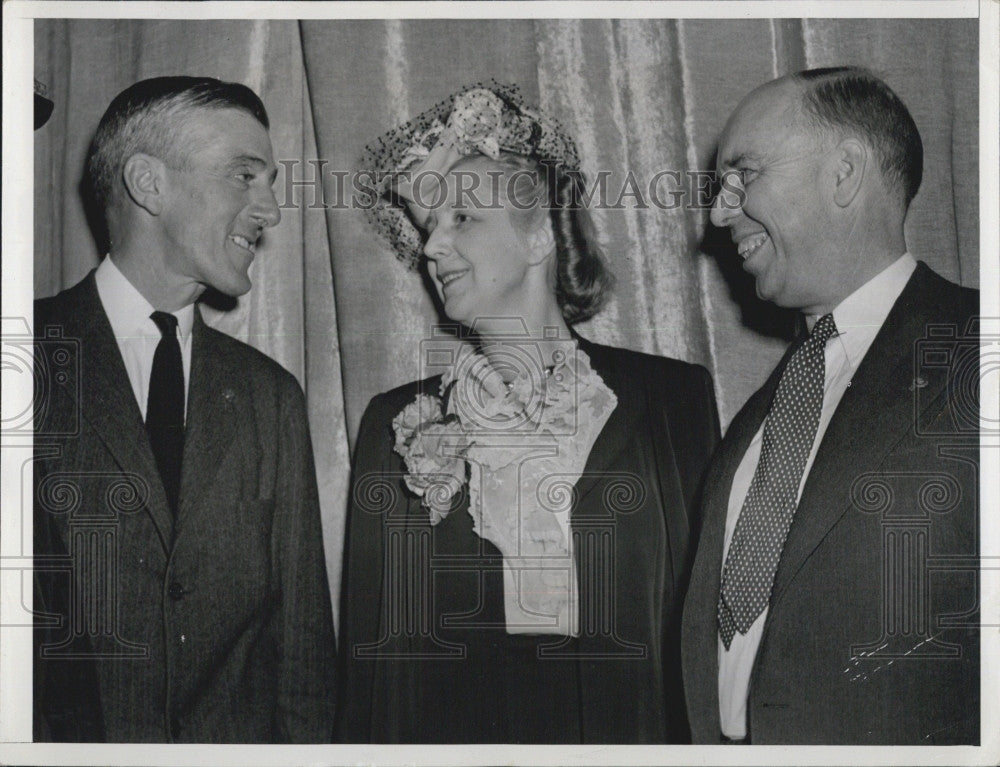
[{"x": 641, "y": 97}]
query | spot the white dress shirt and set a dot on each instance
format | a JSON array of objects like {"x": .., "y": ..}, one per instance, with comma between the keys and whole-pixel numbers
[
  {"x": 858, "y": 317},
  {"x": 137, "y": 335}
]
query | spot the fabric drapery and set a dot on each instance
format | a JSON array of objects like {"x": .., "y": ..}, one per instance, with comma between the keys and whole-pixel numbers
[{"x": 641, "y": 97}]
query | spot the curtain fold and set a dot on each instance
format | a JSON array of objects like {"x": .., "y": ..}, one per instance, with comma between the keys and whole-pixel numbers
[
  {"x": 631, "y": 127},
  {"x": 641, "y": 98}
]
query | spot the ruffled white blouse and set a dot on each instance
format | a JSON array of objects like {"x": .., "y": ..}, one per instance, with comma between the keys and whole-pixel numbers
[{"x": 522, "y": 446}]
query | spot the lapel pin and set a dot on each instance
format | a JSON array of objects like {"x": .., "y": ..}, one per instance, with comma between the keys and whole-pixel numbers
[
  {"x": 228, "y": 395},
  {"x": 918, "y": 383}
]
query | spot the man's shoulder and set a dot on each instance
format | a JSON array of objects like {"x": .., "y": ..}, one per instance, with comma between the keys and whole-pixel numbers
[
  {"x": 939, "y": 299},
  {"x": 67, "y": 305},
  {"x": 253, "y": 363}
]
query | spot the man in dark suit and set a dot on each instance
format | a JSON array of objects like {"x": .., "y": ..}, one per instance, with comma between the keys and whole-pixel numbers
[
  {"x": 178, "y": 547},
  {"x": 834, "y": 593}
]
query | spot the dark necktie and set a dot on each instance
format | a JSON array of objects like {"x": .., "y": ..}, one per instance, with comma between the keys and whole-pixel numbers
[
  {"x": 766, "y": 516},
  {"x": 165, "y": 407}
]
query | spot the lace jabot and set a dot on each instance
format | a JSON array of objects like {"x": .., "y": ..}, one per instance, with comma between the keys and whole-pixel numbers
[{"x": 522, "y": 446}]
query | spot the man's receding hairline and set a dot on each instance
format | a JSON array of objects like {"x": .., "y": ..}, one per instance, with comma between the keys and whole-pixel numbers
[
  {"x": 792, "y": 104},
  {"x": 812, "y": 123},
  {"x": 796, "y": 93}
]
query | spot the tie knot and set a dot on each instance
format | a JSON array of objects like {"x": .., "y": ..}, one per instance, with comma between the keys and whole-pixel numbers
[
  {"x": 823, "y": 330},
  {"x": 166, "y": 322}
]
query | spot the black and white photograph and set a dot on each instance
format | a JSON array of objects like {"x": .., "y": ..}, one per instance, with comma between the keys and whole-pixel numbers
[{"x": 485, "y": 383}]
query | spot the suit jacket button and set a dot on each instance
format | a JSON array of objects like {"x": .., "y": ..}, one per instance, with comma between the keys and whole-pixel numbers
[{"x": 176, "y": 591}]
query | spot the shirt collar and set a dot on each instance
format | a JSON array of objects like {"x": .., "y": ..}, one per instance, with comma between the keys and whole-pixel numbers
[
  {"x": 860, "y": 316},
  {"x": 128, "y": 310}
]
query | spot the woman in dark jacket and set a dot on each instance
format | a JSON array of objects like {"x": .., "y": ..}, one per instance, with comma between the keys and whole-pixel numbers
[{"x": 518, "y": 536}]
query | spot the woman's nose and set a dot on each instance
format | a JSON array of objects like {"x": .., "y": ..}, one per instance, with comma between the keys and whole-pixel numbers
[{"x": 437, "y": 244}]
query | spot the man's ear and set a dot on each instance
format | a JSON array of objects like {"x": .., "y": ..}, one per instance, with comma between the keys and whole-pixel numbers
[
  {"x": 851, "y": 157},
  {"x": 144, "y": 177},
  {"x": 541, "y": 242}
]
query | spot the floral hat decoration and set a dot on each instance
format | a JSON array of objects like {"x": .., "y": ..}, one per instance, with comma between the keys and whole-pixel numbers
[{"x": 478, "y": 119}]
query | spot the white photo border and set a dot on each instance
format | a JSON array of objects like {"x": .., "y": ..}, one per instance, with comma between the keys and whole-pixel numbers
[{"x": 17, "y": 295}]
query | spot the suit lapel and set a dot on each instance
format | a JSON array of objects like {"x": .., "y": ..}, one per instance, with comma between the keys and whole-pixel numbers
[
  {"x": 217, "y": 395},
  {"x": 620, "y": 426},
  {"x": 876, "y": 411},
  {"x": 108, "y": 404}
]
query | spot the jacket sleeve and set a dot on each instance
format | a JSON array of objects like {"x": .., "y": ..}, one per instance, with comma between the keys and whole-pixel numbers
[
  {"x": 360, "y": 602},
  {"x": 682, "y": 398},
  {"x": 684, "y": 443},
  {"x": 703, "y": 429},
  {"x": 693, "y": 420},
  {"x": 303, "y": 620}
]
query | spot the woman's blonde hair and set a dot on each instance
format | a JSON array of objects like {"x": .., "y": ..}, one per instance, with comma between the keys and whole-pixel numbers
[{"x": 583, "y": 280}]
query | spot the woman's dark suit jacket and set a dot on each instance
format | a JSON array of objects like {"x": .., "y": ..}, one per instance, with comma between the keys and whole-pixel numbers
[{"x": 424, "y": 651}]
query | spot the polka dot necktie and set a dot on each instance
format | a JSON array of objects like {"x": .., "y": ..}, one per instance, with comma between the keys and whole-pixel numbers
[
  {"x": 767, "y": 512},
  {"x": 165, "y": 407}
]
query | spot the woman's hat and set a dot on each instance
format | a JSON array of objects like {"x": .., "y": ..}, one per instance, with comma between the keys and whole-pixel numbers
[{"x": 405, "y": 165}]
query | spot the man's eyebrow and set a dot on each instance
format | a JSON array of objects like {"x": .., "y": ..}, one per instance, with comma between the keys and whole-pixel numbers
[{"x": 249, "y": 159}]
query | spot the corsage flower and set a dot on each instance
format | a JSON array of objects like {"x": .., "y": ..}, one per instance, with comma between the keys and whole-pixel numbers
[{"x": 433, "y": 448}]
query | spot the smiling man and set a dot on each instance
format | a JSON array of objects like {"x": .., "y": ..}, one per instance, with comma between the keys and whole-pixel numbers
[
  {"x": 813, "y": 614},
  {"x": 187, "y": 574}
]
